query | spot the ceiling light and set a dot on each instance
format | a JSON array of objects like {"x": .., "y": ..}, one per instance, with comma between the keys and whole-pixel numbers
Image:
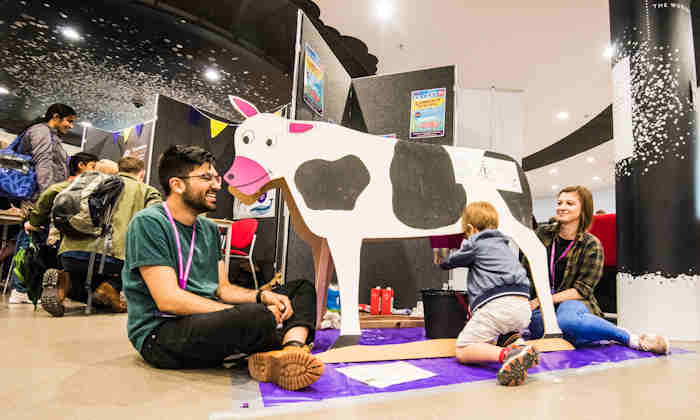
[
  {"x": 70, "y": 33},
  {"x": 596, "y": 178},
  {"x": 384, "y": 9},
  {"x": 563, "y": 115},
  {"x": 212, "y": 75},
  {"x": 553, "y": 171},
  {"x": 86, "y": 124},
  {"x": 590, "y": 159},
  {"x": 4, "y": 90},
  {"x": 609, "y": 51},
  {"x": 555, "y": 187}
]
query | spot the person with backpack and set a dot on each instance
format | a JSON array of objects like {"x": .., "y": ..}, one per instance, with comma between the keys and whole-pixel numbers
[
  {"x": 74, "y": 252},
  {"x": 41, "y": 140}
]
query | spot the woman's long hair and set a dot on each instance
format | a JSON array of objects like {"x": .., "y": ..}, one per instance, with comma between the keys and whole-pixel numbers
[{"x": 62, "y": 110}]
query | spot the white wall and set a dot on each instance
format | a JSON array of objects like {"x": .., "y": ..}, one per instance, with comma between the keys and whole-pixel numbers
[
  {"x": 490, "y": 119},
  {"x": 543, "y": 208}
]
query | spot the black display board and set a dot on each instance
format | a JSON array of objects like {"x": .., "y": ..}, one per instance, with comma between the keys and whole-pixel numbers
[
  {"x": 385, "y": 102},
  {"x": 180, "y": 123}
]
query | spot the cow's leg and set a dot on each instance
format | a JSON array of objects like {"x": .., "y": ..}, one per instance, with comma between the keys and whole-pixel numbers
[
  {"x": 346, "y": 256},
  {"x": 323, "y": 263},
  {"x": 531, "y": 246}
]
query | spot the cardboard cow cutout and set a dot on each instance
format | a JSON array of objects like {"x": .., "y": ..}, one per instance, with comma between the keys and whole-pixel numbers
[{"x": 343, "y": 186}]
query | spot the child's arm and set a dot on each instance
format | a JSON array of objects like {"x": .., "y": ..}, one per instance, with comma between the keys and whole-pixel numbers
[{"x": 463, "y": 257}]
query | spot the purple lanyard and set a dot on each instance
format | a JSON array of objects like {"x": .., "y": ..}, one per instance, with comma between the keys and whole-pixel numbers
[
  {"x": 182, "y": 275},
  {"x": 551, "y": 259}
]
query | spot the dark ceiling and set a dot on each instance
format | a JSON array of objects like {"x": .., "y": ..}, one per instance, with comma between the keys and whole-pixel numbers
[{"x": 131, "y": 50}]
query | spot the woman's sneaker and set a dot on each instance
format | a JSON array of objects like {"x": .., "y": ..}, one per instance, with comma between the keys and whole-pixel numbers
[
  {"x": 654, "y": 343},
  {"x": 18, "y": 297},
  {"x": 516, "y": 364}
]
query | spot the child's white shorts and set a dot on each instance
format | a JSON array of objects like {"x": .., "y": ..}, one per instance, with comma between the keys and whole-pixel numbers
[{"x": 499, "y": 316}]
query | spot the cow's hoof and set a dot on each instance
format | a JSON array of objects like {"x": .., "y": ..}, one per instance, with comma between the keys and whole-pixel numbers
[{"x": 345, "y": 341}]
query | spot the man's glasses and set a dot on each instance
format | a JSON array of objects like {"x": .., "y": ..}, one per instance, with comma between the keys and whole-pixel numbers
[{"x": 205, "y": 177}]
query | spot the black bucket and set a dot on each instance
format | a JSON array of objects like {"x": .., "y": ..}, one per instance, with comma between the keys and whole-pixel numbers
[{"x": 445, "y": 311}]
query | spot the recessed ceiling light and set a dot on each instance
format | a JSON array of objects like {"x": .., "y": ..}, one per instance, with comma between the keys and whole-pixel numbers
[
  {"x": 596, "y": 178},
  {"x": 70, "y": 33},
  {"x": 563, "y": 115},
  {"x": 86, "y": 124},
  {"x": 212, "y": 75},
  {"x": 590, "y": 159},
  {"x": 4, "y": 90},
  {"x": 385, "y": 9},
  {"x": 555, "y": 187},
  {"x": 553, "y": 171},
  {"x": 608, "y": 51}
]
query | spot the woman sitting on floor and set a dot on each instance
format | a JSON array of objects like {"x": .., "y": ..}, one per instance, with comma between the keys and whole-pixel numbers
[{"x": 575, "y": 260}]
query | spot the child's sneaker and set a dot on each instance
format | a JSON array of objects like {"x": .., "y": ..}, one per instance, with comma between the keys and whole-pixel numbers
[
  {"x": 516, "y": 364},
  {"x": 508, "y": 339},
  {"x": 654, "y": 343},
  {"x": 291, "y": 368}
]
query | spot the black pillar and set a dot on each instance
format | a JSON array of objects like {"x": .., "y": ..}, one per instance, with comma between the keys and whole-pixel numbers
[{"x": 657, "y": 178}]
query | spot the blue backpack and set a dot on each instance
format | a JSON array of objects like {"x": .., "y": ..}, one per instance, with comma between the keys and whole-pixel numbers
[{"x": 17, "y": 173}]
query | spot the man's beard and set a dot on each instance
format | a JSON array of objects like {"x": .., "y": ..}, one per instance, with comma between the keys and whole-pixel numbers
[{"x": 197, "y": 203}]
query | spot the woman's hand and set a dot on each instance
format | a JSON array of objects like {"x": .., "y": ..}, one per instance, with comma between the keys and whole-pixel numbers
[
  {"x": 280, "y": 302},
  {"x": 534, "y": 304}
]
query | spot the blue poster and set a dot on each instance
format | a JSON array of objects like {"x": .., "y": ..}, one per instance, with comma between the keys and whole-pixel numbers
[
  {"x": 313, "y": 80},
  {"x": 428, "y": 113}
]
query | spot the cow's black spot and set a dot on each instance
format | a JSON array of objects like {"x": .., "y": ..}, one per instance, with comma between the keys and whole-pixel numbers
[
  {"x": 425, "y": 195},
  {"x": 327, "y": 185},
  {"x": 519, "y": 204}
]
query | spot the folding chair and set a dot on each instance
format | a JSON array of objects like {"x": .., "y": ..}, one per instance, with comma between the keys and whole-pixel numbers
[{"x": 243, "y": 236}]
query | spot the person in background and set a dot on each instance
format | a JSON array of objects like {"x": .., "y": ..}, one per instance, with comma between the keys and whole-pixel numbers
[
  {"x": 74, "y": 253},
  {"x": 184, "y": 312},
  {"x": 498, "y": 290},
  {"x": 107, "y": 166},
  {"x": 600, "y": 211},
  {"x": 133, "y": 166},
  {"x": 575, "y": 260}
]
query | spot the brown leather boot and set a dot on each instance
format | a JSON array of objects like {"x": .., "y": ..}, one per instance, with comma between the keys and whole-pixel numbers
[
  {"x": 108, "y": 296},
  {"x": 290, "y": 368},
  {"x": 55, "y": 286}
]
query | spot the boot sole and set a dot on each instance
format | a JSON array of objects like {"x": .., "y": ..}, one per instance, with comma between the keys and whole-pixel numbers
[
  {"x": 49, "y": 294},
  {"x": 514, "y": 371},
  {"x": 289, "y": 370}
]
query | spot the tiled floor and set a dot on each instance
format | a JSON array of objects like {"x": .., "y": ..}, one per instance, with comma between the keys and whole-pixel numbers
[{"x": 80, "y": 367}]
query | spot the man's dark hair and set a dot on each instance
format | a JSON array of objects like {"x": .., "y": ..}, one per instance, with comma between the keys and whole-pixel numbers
[
  {"x": 62, "y": 110},
  {"x": 77, "y": 158},
  {"x": 179, "y": 160}
]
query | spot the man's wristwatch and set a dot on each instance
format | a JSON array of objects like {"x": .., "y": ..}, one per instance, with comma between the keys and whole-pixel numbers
[{"x": 258, "y": 297}]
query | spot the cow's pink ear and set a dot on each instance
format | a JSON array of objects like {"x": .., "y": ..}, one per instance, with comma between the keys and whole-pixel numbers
[
  {"x": 297, "y": 128},
  {"x": 243, "y": 106}
]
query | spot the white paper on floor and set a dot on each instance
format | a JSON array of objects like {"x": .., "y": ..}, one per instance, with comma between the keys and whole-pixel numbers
[{"x": 384, "y": 375}]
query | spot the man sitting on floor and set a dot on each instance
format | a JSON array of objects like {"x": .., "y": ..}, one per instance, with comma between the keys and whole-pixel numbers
[
  {"x": 74, "y": 253},
  {"x": 184, "y": 312}
]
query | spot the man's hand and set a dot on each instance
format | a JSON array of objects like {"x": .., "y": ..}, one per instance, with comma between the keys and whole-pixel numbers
[
  {"x": 280, "y": 302},
  {"x": 28, "y": 227},
  {"x": 534, "y": 304}
]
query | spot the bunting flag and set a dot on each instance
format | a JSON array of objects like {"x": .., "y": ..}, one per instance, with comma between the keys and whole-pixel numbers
[
  {"x": 194, "y": 116},
  {"x": 115, "y": 136},
  {"x": 216, "y": 127},
  {"x": 139, "y": 129},
  {"x": 126, "y": 133}
]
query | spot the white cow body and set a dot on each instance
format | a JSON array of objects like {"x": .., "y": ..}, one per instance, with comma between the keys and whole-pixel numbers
[{"x": 280, "y": 146}]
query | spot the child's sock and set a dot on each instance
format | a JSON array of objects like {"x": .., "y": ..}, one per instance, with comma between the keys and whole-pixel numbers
[{"x": 503, "y": 354}]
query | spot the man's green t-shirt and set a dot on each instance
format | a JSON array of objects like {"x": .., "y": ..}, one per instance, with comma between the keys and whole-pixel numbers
[{"x": 150, "y": 241}]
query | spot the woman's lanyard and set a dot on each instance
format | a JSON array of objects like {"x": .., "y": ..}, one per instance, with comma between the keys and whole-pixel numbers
[
  {"x": 552, "y": 263},
  {"x": 182, "y": 275}
]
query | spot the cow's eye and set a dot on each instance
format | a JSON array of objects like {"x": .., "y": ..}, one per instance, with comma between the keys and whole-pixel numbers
[
  {"x": 248, "y": 138},
  {"x": 270, "y": 142}
]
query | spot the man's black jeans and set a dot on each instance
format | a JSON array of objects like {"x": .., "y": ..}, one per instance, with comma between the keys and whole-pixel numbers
[{"x": 205, "y": 340}]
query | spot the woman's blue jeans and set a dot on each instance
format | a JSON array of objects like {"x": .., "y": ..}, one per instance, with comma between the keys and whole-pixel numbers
[{"x": 579, "y": 325}]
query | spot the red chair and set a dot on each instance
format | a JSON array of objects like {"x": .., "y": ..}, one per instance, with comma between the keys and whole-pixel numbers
[
  {"x": 604, "y": 227},
  {"x": 243, "y": 236}
]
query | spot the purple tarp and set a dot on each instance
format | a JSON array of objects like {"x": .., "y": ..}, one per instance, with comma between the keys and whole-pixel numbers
[{"x": 334, "y": 384}]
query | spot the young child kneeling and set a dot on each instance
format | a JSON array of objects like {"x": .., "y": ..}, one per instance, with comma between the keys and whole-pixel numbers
[{"x": 499, "y": 291}]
